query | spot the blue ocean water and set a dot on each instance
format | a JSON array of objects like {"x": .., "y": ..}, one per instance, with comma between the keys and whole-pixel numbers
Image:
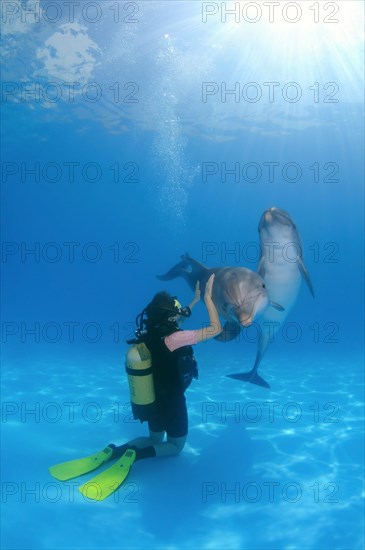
[{"x": 132, "y": 133}]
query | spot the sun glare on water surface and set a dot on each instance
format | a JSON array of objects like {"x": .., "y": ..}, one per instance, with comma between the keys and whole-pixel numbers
[{"x": 305, "y": 24}]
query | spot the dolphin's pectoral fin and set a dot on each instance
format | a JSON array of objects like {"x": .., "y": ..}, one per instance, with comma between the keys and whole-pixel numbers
[
  {"x": 276, "y": 306},
  {"x": 229, "y": 332},
  {"x": 251, "y": 377},
  {"x": 305, "y": 275}
]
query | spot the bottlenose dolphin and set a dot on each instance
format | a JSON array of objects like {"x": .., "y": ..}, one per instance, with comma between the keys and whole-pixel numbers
[
  {"x": 239, "y": 294},
  {"x": 282, "y": 268}
]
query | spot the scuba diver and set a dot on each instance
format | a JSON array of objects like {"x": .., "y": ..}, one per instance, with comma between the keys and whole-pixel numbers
[
  {"x": 173, "y": 367},
  {"x": 165, "y": 358}
]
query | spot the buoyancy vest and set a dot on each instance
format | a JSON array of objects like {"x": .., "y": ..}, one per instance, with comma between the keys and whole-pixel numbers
[{"x": 173, "y": 371}]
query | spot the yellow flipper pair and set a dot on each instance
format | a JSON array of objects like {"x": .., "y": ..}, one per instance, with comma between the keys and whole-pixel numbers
[{"x": 105, "y": 483}]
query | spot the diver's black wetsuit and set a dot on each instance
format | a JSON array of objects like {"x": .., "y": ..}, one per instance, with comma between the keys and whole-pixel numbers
[{"x": 170, "y": 412}]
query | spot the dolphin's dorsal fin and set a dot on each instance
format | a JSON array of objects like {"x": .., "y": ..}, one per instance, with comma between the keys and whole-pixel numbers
[
  {"x": 229, "y": 332},
  {"x": 305, "y": 275}
]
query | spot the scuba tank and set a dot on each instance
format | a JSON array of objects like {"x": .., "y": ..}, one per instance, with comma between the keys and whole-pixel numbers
[{"x": 138, "y": 367}]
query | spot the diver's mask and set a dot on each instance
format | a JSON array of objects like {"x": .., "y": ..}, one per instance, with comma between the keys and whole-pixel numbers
[
  {"x": 177, "y": 309},
  {"x": 141, "y": 320}
]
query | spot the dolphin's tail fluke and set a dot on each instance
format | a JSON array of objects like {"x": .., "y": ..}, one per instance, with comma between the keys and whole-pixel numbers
[
  {"x": 180, "y": 270},
  {"x": 251, "y": 376}
]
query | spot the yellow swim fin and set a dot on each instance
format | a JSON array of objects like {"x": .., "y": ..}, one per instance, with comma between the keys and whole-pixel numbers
[
  {"x": 80, "y": 466},
  {"x": 104, "y": 484}
]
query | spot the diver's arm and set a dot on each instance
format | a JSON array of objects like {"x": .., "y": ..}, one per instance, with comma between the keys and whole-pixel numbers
[
  {"x": 215, "y": 327},
  {"x": 194, "y": 301},
  {"x": 196, "y": 298}
]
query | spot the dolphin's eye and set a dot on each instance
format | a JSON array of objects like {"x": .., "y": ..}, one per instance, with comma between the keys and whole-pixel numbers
[{"x": 263, "y": 286}]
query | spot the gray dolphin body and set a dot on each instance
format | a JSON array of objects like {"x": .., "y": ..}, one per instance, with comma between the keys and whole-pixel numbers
[
  {"x": 239, "y": 294},
  {"x": 281, "y": 266}
]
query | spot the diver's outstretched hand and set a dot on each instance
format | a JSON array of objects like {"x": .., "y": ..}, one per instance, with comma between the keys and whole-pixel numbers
[
  {"x": 197, "y": 293},
  {"x": 215, "y": 327},
  {"x": 196, "y": 297},
  {"x": 208, "y": 288}
]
